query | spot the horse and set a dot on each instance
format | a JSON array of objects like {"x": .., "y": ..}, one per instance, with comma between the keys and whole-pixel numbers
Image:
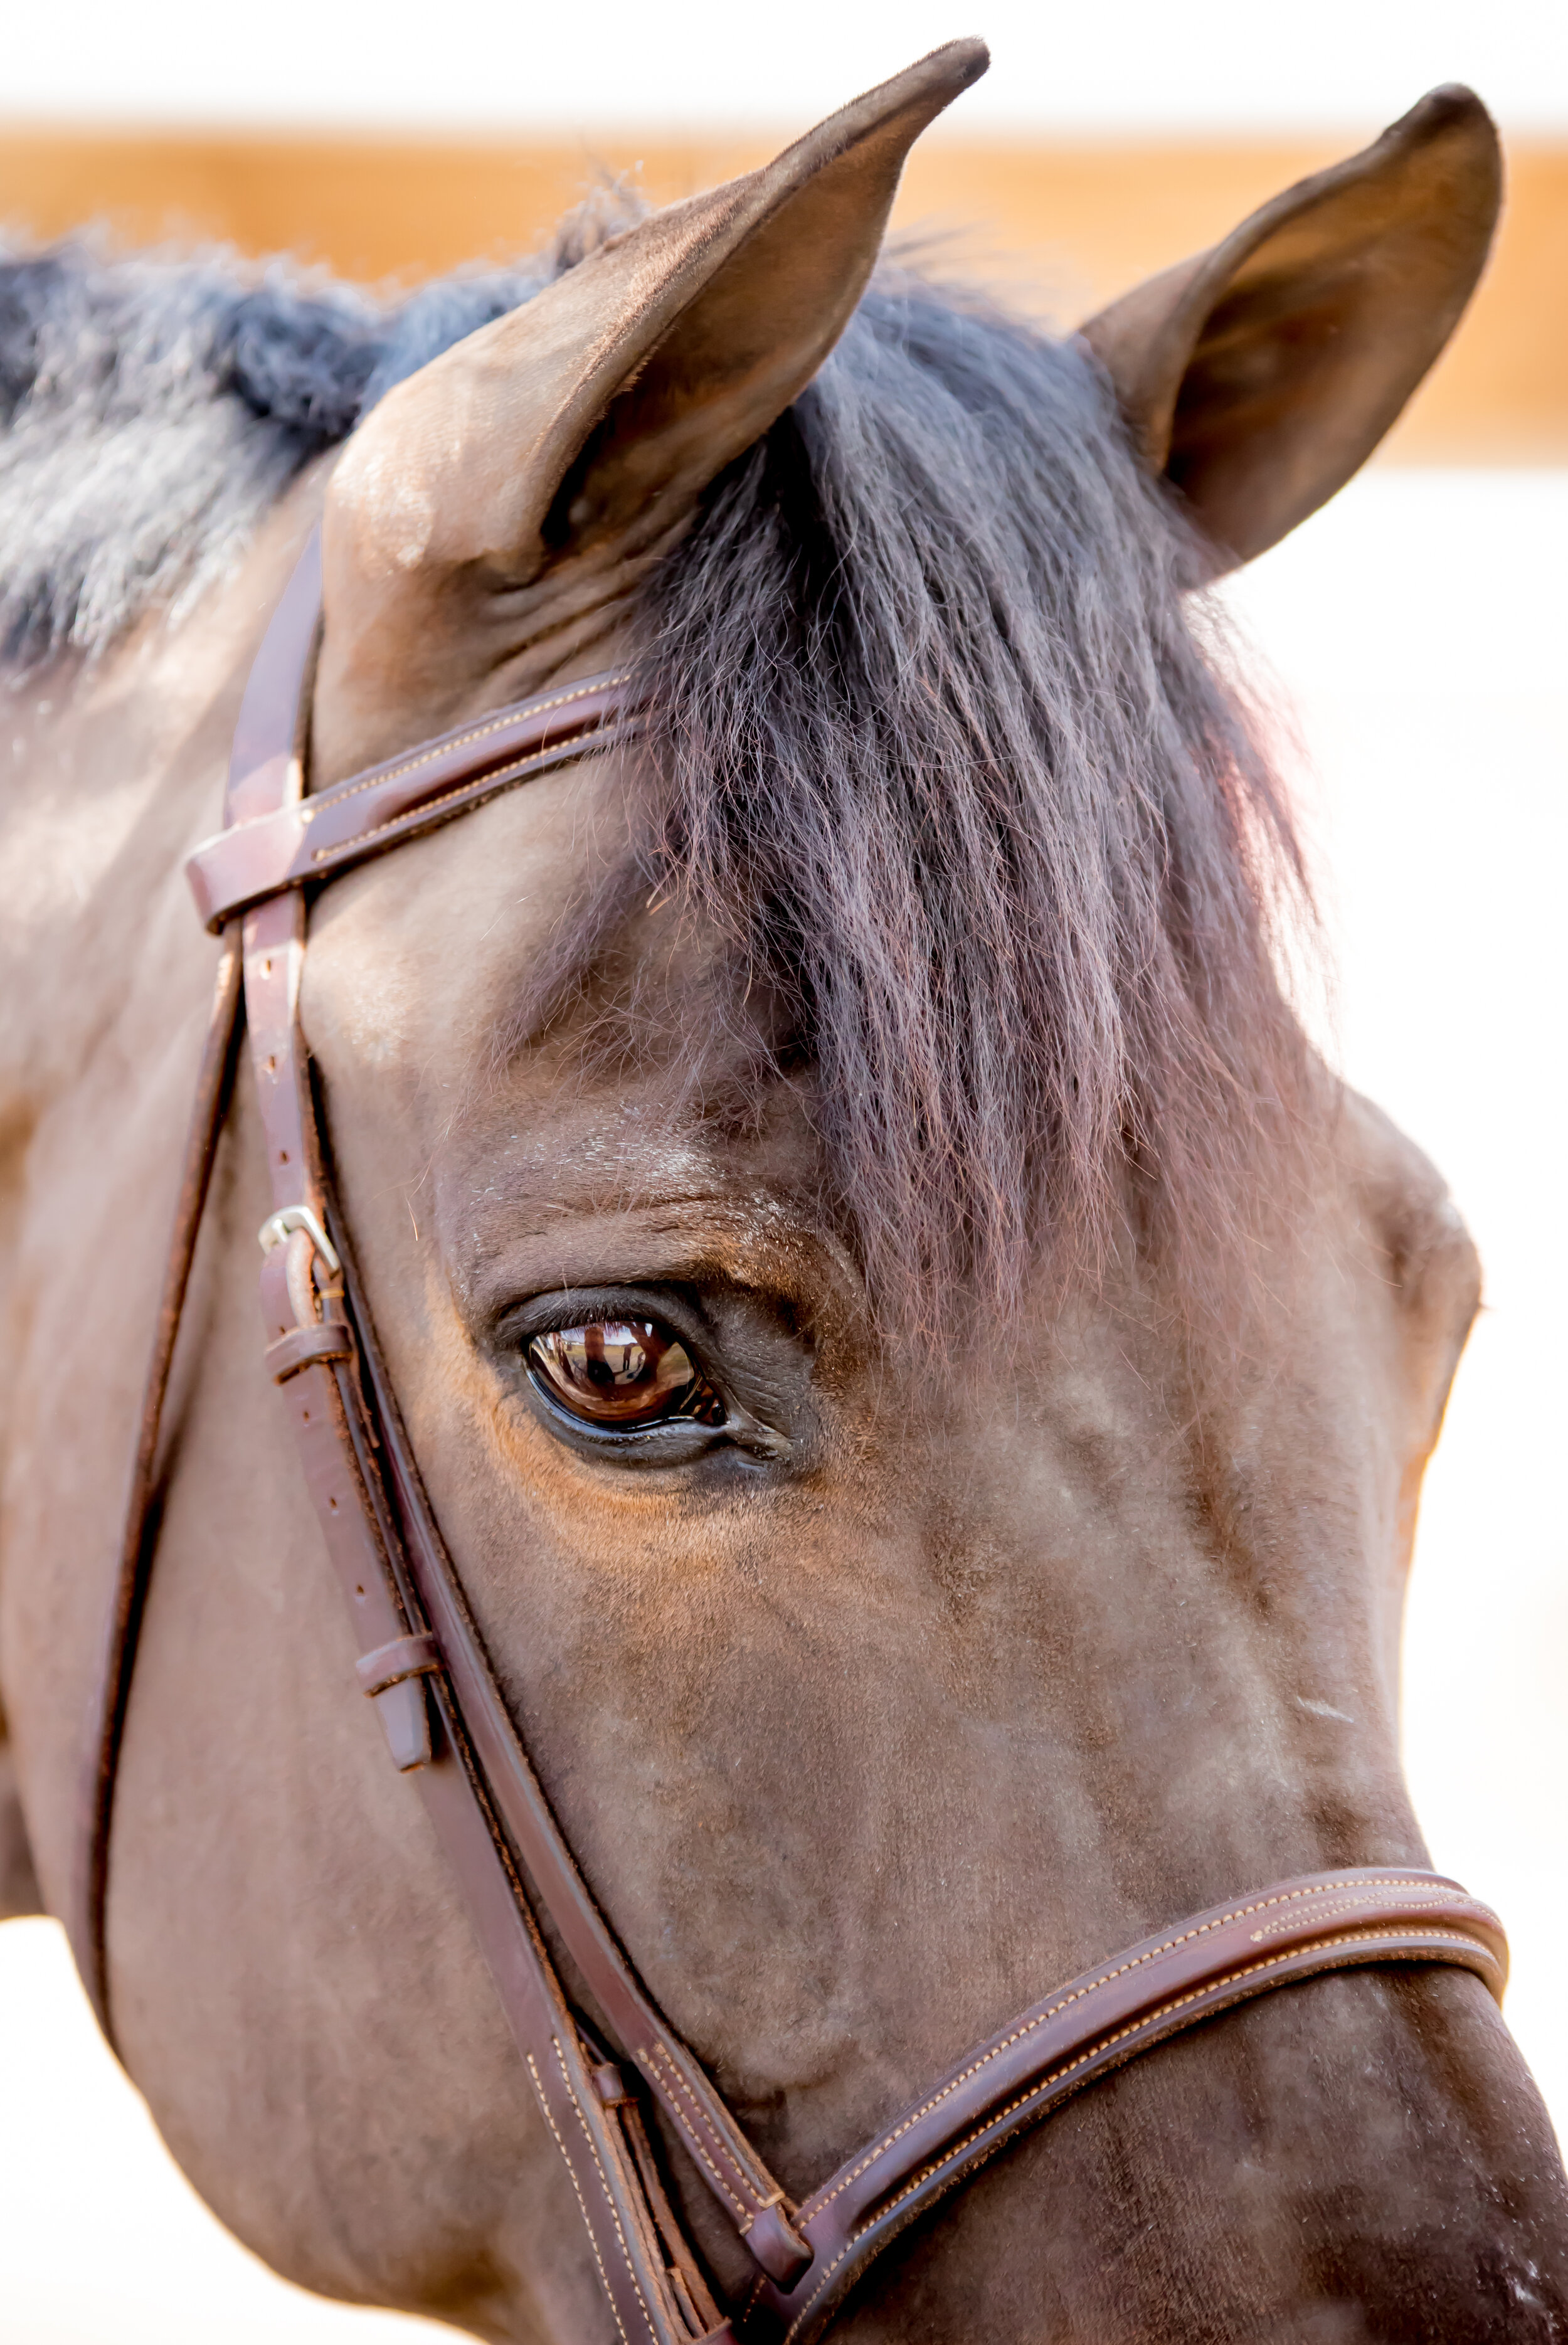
[{"x": 921, "y": 1371}]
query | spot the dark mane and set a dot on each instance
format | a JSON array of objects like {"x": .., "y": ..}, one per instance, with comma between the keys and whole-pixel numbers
[
  {"x": 938, "y": 753},
  {"x": 153, "y": 408},
  {"x": 945, "y": 760}
]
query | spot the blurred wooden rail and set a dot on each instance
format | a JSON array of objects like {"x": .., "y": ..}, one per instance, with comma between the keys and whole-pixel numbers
[{"x": 1059, "y": 226}]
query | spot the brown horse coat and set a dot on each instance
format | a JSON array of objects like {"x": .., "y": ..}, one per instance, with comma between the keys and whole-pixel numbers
[{"x": 1009, "y": 1651}]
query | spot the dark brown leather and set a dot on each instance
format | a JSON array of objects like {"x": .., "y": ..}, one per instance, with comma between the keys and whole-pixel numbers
[
  {"x": 302, "y": 1347},
  {"x": 317, "y": 837},
  {"x": 88, "y": 1888},
  {"x": 1099, "y": 2020},
  {"x": 484, "y": 1816},
  {"x": 406, "y": 1656},
  {"x": 723, "y": 2156},
  {"x": 423, "y": 1663}
]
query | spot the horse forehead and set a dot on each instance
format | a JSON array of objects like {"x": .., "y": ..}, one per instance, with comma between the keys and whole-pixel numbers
[{"x": 417, "y": 971}]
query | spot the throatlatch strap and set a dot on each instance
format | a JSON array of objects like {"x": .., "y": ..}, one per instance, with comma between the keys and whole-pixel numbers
[
  {"x": 440, "y": 1704},
  {"x": 85, "y": 1919}
]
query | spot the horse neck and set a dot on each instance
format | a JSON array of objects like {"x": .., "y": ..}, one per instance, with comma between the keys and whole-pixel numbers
[{"x": 120, "y": 762}]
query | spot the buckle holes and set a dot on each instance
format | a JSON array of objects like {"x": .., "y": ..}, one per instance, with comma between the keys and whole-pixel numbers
[
  {"x": 332, "y": 1506},
  {"x": 267, "y": 966},
  {"x": 272, "y": 1065},
  {"x": 282, "y": 1156},
  {"x": 359, "y": 1591}
]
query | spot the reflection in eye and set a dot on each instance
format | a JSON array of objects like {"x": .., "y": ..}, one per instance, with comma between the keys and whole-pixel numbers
[{"x": 619, "y": 1371}]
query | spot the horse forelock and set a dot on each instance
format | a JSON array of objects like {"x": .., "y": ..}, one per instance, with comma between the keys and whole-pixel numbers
[
  {"x": 939, "y": 756},
  {"x": 936, "y": 753}
]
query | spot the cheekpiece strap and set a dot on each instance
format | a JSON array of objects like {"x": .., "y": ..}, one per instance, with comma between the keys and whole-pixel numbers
[{"x": 423, "y": 1663}]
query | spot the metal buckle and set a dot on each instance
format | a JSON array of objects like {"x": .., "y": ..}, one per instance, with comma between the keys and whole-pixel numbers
[{"x": 279, "y": 1226}]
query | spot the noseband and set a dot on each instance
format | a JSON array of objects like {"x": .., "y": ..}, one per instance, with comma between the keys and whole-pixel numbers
[{"x": 424, "y": 1667}]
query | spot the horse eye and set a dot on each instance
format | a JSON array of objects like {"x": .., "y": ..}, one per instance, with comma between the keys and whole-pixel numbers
[{"x": 621, "y": 1372}]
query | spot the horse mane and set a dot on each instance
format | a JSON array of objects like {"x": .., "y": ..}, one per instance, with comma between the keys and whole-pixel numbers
[
  {"x": 942, "y": 750},
  {"x": 953, "y": 760},
  {"x": 155, "y": 406}
]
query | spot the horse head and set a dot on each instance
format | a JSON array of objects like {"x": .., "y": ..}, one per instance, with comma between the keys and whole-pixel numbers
[{"x": 924, "y": 1375}]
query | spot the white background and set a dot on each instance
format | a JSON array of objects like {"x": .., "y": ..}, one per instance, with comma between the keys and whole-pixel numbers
[
  {"x": 1419, "y": 629},
  {"x": 1241, "y": 64}
]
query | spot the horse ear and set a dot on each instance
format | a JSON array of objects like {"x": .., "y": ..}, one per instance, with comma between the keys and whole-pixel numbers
[
  {"x": 1260, "y": 375},
  {"x": 589, "y": 421}
]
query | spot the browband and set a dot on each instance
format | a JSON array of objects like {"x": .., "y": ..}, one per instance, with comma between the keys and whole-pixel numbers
[
  {"x": 316, "y": 838},
  {"x": 424, "y": 1664}
]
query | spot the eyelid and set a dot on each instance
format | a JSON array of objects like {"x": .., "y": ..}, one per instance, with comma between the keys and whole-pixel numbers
[{"x": 554, "y": 1311}]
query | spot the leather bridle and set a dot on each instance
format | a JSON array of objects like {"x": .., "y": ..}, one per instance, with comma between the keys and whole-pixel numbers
[{"x": 424, "y": 1667}]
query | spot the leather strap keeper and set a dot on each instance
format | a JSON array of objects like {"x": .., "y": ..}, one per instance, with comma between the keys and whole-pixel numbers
[
  {"x": 777, "y": 2247},
  {"x": 404, "y": 1714},
  {"x": 406, "y": 1656},
  {"x": 301, "y": 1348}
]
